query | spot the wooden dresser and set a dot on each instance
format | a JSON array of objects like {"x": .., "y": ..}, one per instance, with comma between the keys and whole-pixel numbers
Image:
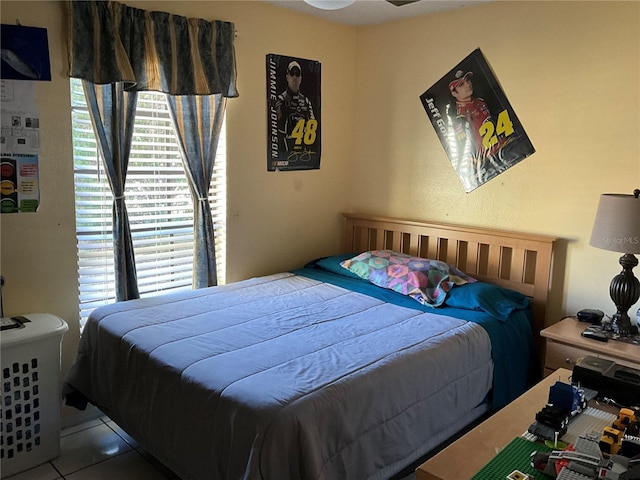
[{"x": 564, "y": 346}]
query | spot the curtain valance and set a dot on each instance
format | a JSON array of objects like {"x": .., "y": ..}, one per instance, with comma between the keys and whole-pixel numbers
[{"x": 111, "y": 42}]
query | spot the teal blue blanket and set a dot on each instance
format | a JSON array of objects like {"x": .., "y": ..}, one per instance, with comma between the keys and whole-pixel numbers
[{"x": 513, "y": 351}]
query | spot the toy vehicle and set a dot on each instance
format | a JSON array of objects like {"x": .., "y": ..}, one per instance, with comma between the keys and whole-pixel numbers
[
  {"x": 565, "y": 402},
  {"x": 584, "y": 460}
]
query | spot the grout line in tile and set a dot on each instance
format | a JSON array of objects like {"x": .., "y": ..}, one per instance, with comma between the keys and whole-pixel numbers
[
  {"x": 111, "y": 425},
  {"x": 61, "y": 477},
  {"x": 122, "y": 434},
  {"x": 71, "y": 463},
  {"x": 80, "y": 427}
]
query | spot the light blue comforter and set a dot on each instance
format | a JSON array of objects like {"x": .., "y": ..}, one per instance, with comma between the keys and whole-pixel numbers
[{"x": 282, "y": 378}]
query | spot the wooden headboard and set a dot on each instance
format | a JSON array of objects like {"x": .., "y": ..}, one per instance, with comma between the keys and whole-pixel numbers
[{"x": 518, "y": 261}]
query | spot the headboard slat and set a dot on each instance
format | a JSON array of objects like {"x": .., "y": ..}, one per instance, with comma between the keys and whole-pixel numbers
[
  {"x": 414, "y": 244},
  {"x": 433, "y": 247},
  {"x": 517, "y": 265},
  {"x": 472, "y": 258},
  {"x": 494, "y": 261},
  {"x": 453, "y": 250}
]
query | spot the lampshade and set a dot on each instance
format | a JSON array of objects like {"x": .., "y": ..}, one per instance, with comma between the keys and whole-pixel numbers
[
  {"x": 617, "y": 224},
  {"x": 617, "y": 228},
  {"x": 329, "y": 4}
]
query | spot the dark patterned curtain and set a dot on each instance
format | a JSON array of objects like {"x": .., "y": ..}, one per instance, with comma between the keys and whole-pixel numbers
[
  {"x": 119, "y": 50},
  {"x": 113, "y": 113},
  {"x": 110, "y": 42},
  {"x": 198, "y": 121}
]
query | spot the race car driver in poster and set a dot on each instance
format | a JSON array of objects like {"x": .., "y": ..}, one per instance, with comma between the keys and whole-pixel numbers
[
  {"x": 294, "y": 120},
  {"x": 479, "y": 144}
]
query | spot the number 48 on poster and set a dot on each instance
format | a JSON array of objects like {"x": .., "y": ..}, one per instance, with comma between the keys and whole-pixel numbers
[{"x": 306, "y": 135}]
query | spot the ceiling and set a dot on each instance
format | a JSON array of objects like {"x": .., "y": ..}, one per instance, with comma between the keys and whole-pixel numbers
[{"x": 371, "y": 12}]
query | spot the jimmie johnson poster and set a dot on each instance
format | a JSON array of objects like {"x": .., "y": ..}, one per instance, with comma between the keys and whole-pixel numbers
[
  {"x": 293, "y": 113},
  {"x": 475, "y": 122}
]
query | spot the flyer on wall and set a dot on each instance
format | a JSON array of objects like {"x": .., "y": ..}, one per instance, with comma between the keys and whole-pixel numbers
[
  {"x": 293, "y": 113},
  {"x": 475, "y": 122},
  {"x": 19, "y": 147}
]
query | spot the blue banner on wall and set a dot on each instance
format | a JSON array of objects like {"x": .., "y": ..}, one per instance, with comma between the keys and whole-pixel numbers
[{"x": 25, "y": 53}]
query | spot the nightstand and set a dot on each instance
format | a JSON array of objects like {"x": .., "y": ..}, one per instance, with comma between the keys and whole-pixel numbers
[{"x": 564, "y": 346}]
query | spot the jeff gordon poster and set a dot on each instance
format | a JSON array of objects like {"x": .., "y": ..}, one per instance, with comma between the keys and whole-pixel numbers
[
  {"x": 475, "y": 122},
  {"x": 293, "y": 113}
]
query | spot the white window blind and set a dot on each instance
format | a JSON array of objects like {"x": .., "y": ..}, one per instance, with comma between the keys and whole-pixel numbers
[{"x": 158, "y": 202}]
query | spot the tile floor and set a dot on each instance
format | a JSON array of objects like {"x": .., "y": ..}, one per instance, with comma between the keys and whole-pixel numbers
[{"x": 100, "y": 450}]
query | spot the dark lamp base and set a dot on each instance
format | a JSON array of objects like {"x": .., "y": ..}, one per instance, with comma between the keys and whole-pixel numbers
[
  {"x": 624, "y": 291},
  {"x": 621, "y": 325}
]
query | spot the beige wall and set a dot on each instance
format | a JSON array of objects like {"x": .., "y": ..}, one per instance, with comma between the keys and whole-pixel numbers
[
  {"x": 277, "y": 220},
  {"x": 571, "y": 71}
]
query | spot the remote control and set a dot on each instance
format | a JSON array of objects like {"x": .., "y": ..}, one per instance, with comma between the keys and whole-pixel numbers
[{"x": 601, "y": 337}]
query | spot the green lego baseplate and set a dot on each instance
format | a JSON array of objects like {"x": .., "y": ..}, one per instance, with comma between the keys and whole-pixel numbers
[{"x": 515, "y": 456}]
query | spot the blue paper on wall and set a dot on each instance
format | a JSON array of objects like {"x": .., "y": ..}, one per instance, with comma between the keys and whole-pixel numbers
[{"x": 24, "y": 53}]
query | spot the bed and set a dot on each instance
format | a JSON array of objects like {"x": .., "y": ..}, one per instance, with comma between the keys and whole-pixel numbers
[{"x": 317, "y": 373}]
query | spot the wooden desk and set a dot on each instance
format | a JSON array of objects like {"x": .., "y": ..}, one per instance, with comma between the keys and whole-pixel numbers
[{"x": 463, "y": 458}]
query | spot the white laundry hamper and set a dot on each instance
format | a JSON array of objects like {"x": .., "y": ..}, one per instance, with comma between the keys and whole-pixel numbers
[{"x": 30, "y": 381}]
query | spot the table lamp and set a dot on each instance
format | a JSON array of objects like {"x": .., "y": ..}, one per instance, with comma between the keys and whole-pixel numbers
[{"x": 617, "y": 228}]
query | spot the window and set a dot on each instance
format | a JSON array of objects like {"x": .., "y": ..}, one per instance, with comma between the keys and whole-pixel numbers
[{"x": 158, "y": 200}]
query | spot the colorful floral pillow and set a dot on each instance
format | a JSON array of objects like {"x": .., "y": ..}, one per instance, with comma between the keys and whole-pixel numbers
[{"x": 426, "y": 281}]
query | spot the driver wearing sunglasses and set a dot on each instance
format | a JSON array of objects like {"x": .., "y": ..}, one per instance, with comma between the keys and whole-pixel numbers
[{"x": 291, "y": 105}]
